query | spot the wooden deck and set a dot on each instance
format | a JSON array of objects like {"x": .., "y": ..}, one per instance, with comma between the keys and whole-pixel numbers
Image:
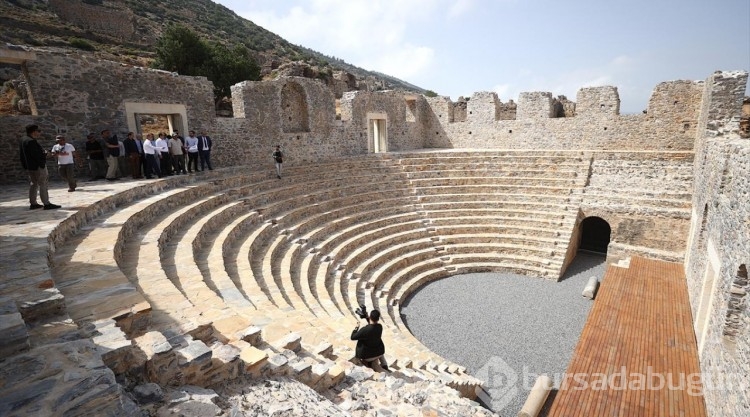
[{"x": 638, "y": 333}]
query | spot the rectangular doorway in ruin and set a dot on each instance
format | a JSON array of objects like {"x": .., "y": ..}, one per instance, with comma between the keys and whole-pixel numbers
[
  {"x": 705, "y": 306},
  {"x": 377, "y": 132},
  {"x": 156, "y": 117}
]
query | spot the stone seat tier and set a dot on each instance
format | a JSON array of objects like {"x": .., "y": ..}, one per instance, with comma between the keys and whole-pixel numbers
[
  {"x": 338, "y": 261},
  {"x": 639, "y": 201},
  {"x": 386, "y": 262},
  {"x": 104, "y": 292},
  {"x": 512, "y": 201},
  {"x": 189, "y": 258},
  {"x": 538, "y": 225},
  {"x": 494, "y": 172},
  {"x": 263, "y": 246},
  {"x": 175, "y": 313},
  {"x": 494, "y": 159},
  {"x": 340, "y": 234},
  {"x": 663, "y": 191},
  {"x": 479, "y": 189},
  {"x": 513, "y": 258},
  {"x": 369, "y": 243},
  {"x": 537, "y": 236},
  {"x": 504, "y": 183},
  {"x": 509, "y": 165}
]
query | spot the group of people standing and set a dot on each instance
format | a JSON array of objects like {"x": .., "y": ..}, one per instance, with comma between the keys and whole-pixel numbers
[
  {"x": 161, "y": 156},
  {"x": 151, "y": 157},
  {"x": 155, "y": 156}
]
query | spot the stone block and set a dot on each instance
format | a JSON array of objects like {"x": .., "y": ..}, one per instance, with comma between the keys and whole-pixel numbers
[
  {"x": 292, "y": 341},
  {"x": 194, "y": 353},
  {"x": 15, "y": 335},
  {"x": 324, "y": 349},
  {"x": 251, "y": 335},
  {"x": 153, "y": 343},
  {"x": 254, "y": 360},
  {"x": 277, "y": 365}
]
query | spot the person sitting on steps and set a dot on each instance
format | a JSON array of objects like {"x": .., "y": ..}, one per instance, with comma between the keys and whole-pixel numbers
[{"x": 370, "y": 348}]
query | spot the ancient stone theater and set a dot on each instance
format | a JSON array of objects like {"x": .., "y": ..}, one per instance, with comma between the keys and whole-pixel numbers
[{"x": 139, "y": 289}]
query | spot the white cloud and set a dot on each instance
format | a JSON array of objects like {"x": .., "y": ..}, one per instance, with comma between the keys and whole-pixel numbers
[
  {"x": 370, "y": 34},
  {"x": 614, "y": 72}
]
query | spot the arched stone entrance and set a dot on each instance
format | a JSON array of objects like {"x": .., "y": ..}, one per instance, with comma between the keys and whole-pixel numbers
[{"x": 595, "y": 235}]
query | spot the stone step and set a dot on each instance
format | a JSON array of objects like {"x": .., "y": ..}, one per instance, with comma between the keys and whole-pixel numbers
[{"x": 13, "y": 328}]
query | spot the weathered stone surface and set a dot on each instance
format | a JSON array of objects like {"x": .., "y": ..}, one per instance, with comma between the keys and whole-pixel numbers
[
  {"x": 15, "y": 336},
  {"x": 148, "y": 393},
  {"x": 42, "y": 381}
]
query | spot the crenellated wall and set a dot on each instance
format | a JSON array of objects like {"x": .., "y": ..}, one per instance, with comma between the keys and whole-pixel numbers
[{"x": 596, "y": 123}]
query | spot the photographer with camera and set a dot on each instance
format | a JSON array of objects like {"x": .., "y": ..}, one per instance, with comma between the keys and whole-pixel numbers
[{"x": 370, "y": 348}]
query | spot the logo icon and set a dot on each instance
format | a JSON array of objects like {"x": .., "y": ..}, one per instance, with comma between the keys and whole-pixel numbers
[{"x": 500, "y": 384}]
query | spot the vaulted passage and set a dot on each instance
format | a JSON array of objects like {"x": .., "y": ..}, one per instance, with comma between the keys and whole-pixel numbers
[{"x": 595, "y": 234}]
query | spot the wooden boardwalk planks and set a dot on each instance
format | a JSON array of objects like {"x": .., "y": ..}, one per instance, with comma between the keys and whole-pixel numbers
[{"x": 637, "y": 355}]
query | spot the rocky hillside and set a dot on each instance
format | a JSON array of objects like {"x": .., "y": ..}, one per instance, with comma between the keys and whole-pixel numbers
[{"x": 127, "y": 30}]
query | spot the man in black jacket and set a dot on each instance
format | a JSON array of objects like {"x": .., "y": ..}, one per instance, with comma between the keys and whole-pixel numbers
[
  {"x": 34, "y": 161},
  {"x": 370, "y": 348},
  {"x": 204, "y": 151}
]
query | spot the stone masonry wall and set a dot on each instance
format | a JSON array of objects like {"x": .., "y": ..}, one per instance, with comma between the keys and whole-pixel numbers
[
  {"x": 723, "y": 185},
  {"x": 78, "y": 94},
  {"x": 720, "y": 219},
  {"x": 115, "y": 22}
]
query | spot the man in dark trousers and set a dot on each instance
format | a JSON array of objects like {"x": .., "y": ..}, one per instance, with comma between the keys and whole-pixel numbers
[
  {"x": 95, "y": 152},
  {"x": 133, "y": 151},
  {"x": 34, "y": 161},
  {"x": 370, "y": 348},
  {"x": 204, "y": 151},
  {"x": 278, "y": 159}
]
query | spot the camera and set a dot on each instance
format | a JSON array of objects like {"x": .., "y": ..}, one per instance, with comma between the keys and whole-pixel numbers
[{"x": 361, "y": 312}]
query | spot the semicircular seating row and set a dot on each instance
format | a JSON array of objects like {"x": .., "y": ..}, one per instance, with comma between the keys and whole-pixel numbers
[{"x": 244, "y": 266}]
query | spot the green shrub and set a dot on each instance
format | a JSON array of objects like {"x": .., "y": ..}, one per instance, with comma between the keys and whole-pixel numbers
[{"x": 81, "y": 44}]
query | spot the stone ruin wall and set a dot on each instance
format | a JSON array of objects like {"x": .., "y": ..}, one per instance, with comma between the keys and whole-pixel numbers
[
  {"x": 720, "y": 230},
  {"x": 115, "y": 22},
  {"x": 596, "y": 125},
  {"x": 260, "y": 111}
]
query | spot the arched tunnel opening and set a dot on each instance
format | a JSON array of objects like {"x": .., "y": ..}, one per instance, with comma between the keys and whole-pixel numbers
[{"x": 595, "y": 235}]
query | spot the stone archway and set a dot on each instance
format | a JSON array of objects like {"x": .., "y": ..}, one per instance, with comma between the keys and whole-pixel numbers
[
  {"x": 294, "y": 113},
  {"x": 595, "y": 235}
]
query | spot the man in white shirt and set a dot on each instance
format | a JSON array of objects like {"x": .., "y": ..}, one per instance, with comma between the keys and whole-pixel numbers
[
  {"x": 64, "y": 152},
  {"x": 151, "y": 151},
  {"x": 191, "y": 144},
  {"x": 163, "y": 155}
]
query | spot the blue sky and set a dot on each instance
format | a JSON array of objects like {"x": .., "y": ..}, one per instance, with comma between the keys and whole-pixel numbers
[{"x": 459, "y": 47}]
